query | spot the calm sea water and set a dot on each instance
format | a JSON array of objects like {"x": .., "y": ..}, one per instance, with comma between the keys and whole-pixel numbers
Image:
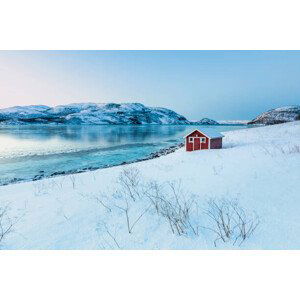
[{"x": 31, "y": 152}]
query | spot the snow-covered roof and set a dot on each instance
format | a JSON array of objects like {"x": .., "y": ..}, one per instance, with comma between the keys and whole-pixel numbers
[{"x": 210, "y": 133}]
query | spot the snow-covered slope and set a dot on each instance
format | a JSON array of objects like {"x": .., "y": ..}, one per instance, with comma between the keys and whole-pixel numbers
[
  {"x": 278, "y": 115},
  {"x": 258, "y": 168},
  {"x": 91, "y": 113},
  {"x": 23, "y": 112}
]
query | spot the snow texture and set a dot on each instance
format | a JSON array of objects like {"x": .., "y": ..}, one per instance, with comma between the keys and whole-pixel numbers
[{"x": 258, "y": 168}]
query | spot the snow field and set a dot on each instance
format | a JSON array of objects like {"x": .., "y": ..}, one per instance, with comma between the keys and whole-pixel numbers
[{"x": 259, "y": 168}]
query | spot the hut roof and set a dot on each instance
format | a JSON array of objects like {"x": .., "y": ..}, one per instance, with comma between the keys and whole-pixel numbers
[{"x": 210, "y": 133}]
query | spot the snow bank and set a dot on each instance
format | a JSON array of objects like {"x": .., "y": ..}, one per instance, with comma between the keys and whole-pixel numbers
[{"x": 258, "y": 167}]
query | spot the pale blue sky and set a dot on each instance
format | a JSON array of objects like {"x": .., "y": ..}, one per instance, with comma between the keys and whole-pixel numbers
[{"x": 215, "y": 84}]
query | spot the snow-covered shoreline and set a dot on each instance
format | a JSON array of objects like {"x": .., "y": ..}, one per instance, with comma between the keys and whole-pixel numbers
[
  {"x": 153, "y": 155},
  {"x": 258, "y": 168}
]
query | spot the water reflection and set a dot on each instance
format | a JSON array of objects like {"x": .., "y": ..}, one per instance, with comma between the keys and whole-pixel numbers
[
  {"x": 93, "y": 134},
  {"x": 32, "y": 152}
]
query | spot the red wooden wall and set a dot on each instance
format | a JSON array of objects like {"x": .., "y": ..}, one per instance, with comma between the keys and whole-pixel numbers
[
  {"x": 195, "y": 145},
  {"x": 216, "y": 143}
]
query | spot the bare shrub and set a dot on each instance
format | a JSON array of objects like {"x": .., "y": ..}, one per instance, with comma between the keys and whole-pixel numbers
[
  {"x": 126, "y": 207},
  {"x": 40, "y": 188},
  {"x": 246, "y": 223},
  {"x": 281, "y": 149},
  {"x": 267, "y": 151},
  {"x": 169, "y": 201},
  {"x": 230, "y": 222},
  {"x": 129, "y": 181},
  {"x": 173, "y": 204},
  {"x": 58, "y": 182},
  {"x": 6, "y": 223},
  {"x": 101, "y": 198},
  {"x": 73, "y": 180},
  {"x": 154, "y": 192},
  {"x": 134, "y": 197},
  {"x": 295, "y": 149},
  {"x": 128, "y": 195},
  {"x": 290, "y": 149},
  {"x": 111, "y": 234}
]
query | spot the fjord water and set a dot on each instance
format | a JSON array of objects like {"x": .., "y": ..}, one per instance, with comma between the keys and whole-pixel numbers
[{"x": 32, "y": 152}]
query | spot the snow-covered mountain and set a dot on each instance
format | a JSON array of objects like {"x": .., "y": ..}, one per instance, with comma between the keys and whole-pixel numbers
[
  {"x": 278, "y": 115},
  {"x": 23, "y": 113},
  {"x": 91, "y": 113},
  {"x": 94, "y": 113},
  {"x": 205, "y": 121}
]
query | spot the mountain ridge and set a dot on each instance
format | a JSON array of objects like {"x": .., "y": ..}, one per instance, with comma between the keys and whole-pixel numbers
[
  {"x": 278, "y": 115},
  {"x": 95, "y": 114}
]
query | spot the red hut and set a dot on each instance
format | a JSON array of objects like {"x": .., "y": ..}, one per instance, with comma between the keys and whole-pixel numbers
[{"x": 203, "y": 139}]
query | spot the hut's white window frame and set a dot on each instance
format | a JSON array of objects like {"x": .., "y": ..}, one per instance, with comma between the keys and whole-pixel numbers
[
  {"x": 203, "y": 140},
  {"x": 191, "y": 139}
]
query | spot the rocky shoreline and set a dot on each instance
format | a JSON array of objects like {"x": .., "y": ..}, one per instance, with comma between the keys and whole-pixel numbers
[{"x": 162, "y": 152}]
